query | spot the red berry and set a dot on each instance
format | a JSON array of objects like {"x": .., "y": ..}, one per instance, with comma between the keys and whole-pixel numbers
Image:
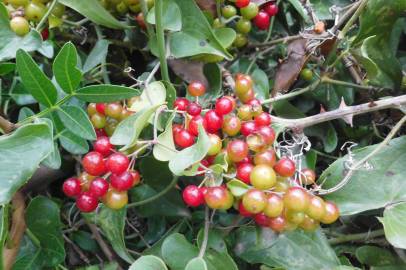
[
  {"x": 194, "y": 124},
  {"x": 243, "y": 211},
  {"x": 237, "y": 150},
  {"x": 71, "y": 187},
  {"x": 100, "y": 132},
  {"x": 262, "y": 20},
  {"x": 194, "y": 109},
  {"x": 122, "y": 182},
  {"x": 223, "y": 106},
  {"x": 184, "y": 138},
  {"x": 254, "y": 102},
  {"x": 247, "y": 128},
  {"x": 117, "y": 163},
  {"x": 243, "y": 172},
  {"x": 196, "y": 89},
  {"x": 193, "y": 196},
  {"x": 93, "y": 163},
  {"x": 247, "y": 159},
  {"x": 285, "y": 167},
  {"x": 181, "y": 104},
  {"x": 278, "y": 224},
  {"x": 242, "y": 3},
  {"x": 213, "y": 121},
  {"x": 102, "y": 145},
  {"x": 267, "y": 133},
  {"x": 86, "y": 202},
  {"x": 271, "y": 9},
  {"x": 45, "y": 34},
  {"x": 264, "y": 119},
  {"x": 136, "y": 177},
  {"x": 176, "y": 128},
  {"x": 140, "y": 20},
  {"x": 98, "y": 187},
  {"x": 262, "y": 220},
  {"x": 100, "y": 108}
]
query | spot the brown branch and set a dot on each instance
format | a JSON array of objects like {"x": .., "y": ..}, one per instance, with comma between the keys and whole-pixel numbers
[
  {"x": 301, "y": 123},
  {"x": 6, "y": 125},
  {"x": 82, "y": 256},
  {"x": 16, "y": 233}
]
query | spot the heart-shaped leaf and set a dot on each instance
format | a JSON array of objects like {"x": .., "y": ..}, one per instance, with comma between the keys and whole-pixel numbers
[{"x": 148, "y": 262}]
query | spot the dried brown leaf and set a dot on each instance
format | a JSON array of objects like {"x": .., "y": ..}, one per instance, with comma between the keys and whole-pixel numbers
[
  {"x": 207, "y": 5},
  {"x": 188, "y": 70},
  {"x": 290, "y": 68}
]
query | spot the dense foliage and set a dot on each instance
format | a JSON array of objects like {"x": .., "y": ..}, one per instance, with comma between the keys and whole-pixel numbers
[{"x": 202, "y": 134}]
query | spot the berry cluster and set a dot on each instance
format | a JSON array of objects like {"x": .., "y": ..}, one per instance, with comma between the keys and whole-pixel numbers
[
  {"x": 250, "y": 13},
  {"x": 103, "y": 163},
  {"x": 25, "y": 13},
  {"x": 239, "y": 129}
]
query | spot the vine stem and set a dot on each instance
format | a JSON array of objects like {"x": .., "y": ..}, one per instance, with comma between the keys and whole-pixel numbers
[
  {"x": 347, "y": 177},
  {"x": 161, "y": 40},
  {"x": 311, "y": 87},
  {"x": 45, "y": 17},
  {"x": 351, "y": 21},
  {"x": 356, "y": 237},
  {"x": 156, "y": 196},
  {"x": 268, "y": 36},
  {"x": 205, "y": 232}
]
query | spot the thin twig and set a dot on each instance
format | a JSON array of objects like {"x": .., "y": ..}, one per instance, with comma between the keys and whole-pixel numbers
[
  {"x": 309, "y": 88},
  {"x": 82, "y": 256},
  {"x": 99, "y": 239}
]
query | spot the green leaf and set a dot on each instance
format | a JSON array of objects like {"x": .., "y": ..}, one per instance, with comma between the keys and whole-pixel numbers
[
  {"x": 21, "y": 95},
  {"x": 394, "y": 218},
  {"x": 154, "y": 94},
  {"x": 326, "y": 133},
  {"x": 112, "y": 224},
  {"x": 84, "y": 240},
  {"x": 261, "y": 86},
  {"x": 171, "y": 17},
  {"x": 40, "y": 87},
  {"x": 24, "y": 113},
  {"x": 374, "y": 256},
  {"x": 73, "y": 144},
  {"x": 105, "y": 93},
  {"x": 6, "y": 68},
  {"x": 76, "y": 120},
  {"x": 196, "y": 264},
  {"x": 148, "y": 262},
  {"x": 10, "y": 42},
  {"x": 53, "y": 160},
  {"x": 93, "y": 10},
  {"x": 197, "y": 36},
  {"x": 20, "y": 155},
  {"x": 97, "y": 55},
  {"x": 387, "y": 164},
  {"x": 128, "y": 131},
  {"x": 237, "y": 187},
  {"x": 296, "y": 250},
  {"x": 65, "y": 71},
  {"x": 188, "y": 156},
  {"x": 43, "y": 221},
  {"x": 300, "y": 9},
  {"x": 165, "y": 149},
  {"x": 4, "y": 227},
  {"x": 213, "y": 75},
  {"x": 28, "y": 256},
  {"x": 321, "y": 7}
]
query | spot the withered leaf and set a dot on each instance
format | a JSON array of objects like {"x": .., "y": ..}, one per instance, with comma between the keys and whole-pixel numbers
[
  {"x": 207, "y": 5},
  {"x": 188, "y": 70},
  {"x": 290, "y": 68}
]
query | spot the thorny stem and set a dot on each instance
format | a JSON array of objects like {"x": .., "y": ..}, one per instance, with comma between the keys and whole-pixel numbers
[
  {"x": 45, "y": 17},
  {"x": 161, "y": 40},
  {"x": 205, "y": 233},
  {"x": 347, "y": 178},
  {"x": 356, "y": 237}
]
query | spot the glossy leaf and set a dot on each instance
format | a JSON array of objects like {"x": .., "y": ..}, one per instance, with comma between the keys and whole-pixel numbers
[
  {"x": 10, "y": 42},
  {"x": 394, "y": 218},
  {"x": 73, "y": 144},
  {"x": 188, "y": 156},
  {"x": 387, "y": 164},
  {"x": 97, "y": 55},
  {"x": 112, "y": 223},
  {"x": 20, "y": 155},
  {"x": 148, "y": 262},
  {"x": 171, "y": 17},
  {"x": 105, "y": 93},
  {"x": 196, "y": 264},
  {"x": 93, "y": 10},
  {"x": 66, "y": 73},
  {"x": 76, "y": 120},
  {"x": 34, "y": 80},
  {"x": 43, "y": 221}
]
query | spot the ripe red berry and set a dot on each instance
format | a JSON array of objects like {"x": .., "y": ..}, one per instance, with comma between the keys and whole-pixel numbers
[
  {"x": 102, "y": 145},
  {"x": 262, "y": 220},
  {"x": 117, "y": 163},
  {"x": 136, "y": 177},
  {"x": 45, "y": 34},
  {"x": 278, "y": 224},
  {"x": 93, "y": 163},
  {"x": 243, "y": 172},
  {"x": 254, "y": 102},
  {"x": 98, "y": 187},
  {"x": 271, "y": 9},
  {"x": 242, "y": 3},
  {"x": 71, "y": 187},
  {"x": 264, "y": 119},
  {"x": 247, "y": 159},
  {"x": 213, "y": 121},
  {"x": 184, "y": 138},
  {"x": 100, "y": 132},
  {"x": 267, "y": 133},
  {"x": 181, "y": 104},
  {"x": 237, "y": 150},
  {"x": 176, "y": 128},
  {"x": 194, "y": 109},
  {"x": 285, "y": 167},
  {"x": 262, "y": 20},
  {"x": 101, "y": 107},
  {"x": 223, "y": 106},
  {"x": 196, "y": 89},
  {"x": 194, "y": 124},
  {"x": 140, "y": 20},
  {"x": 122, "y": 182},
  {"x": 193, "y": 196},
  {"x": 86, "y": 202},
  {"x": 243, "y": 211},
  {"x": 247, "y": 128}
]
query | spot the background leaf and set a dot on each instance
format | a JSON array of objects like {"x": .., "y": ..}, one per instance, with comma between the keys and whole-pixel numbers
[
  {"x": 148, "y": 262},
  {"x": 97, "y": 55},
  {"x": 171, "y": 17},
  {"x": 393, "y": 221}
]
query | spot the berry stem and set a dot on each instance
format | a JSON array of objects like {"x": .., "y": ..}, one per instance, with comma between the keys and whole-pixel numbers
[
  {"x": 161, "y": 40},
  {"x": 205, "y": 232},
  {"x": 356, "y": 237},
  {"x": 45, "y": 17},
  {"x": 271, "y": 25}
]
